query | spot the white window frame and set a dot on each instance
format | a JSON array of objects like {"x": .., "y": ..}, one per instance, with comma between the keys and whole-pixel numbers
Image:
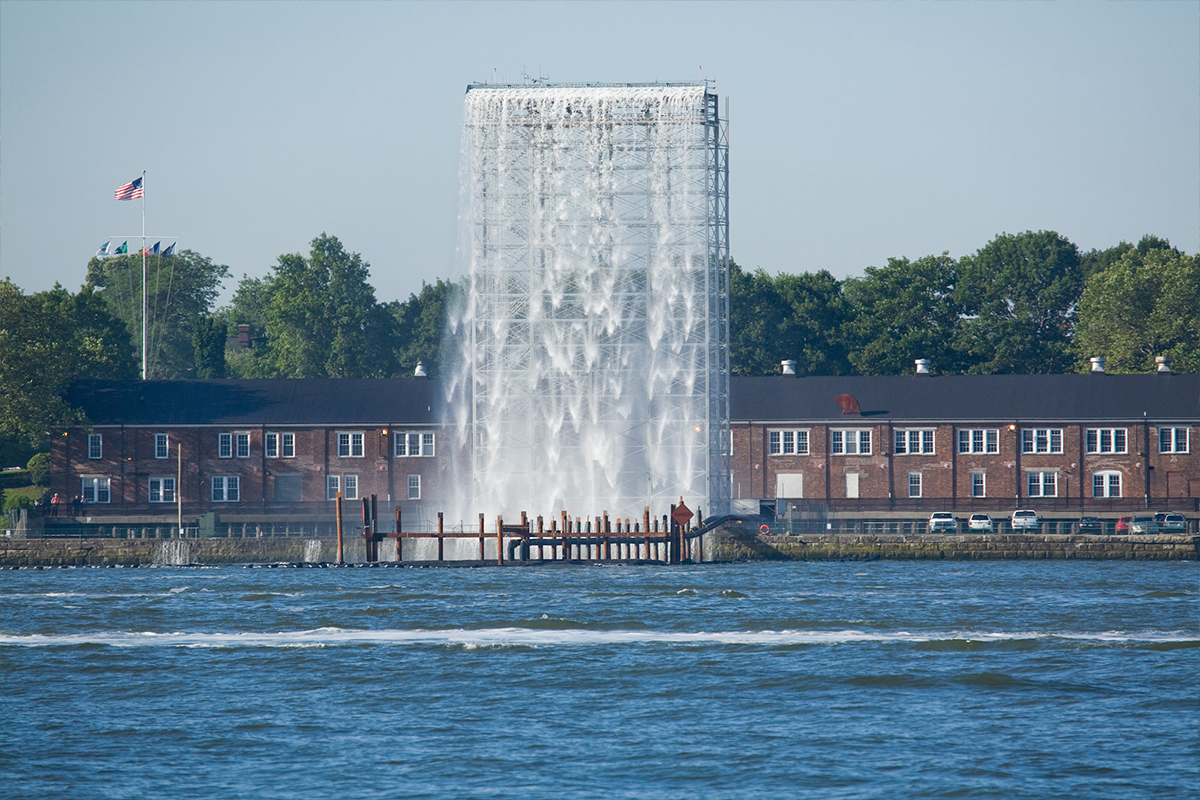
[
  {"x": 1172, "y": 440},
  {"x": 224, "y": 445},
  {"x": 333, "y": 485},
  {"x": 850, "y": 442},
  {"x": 229, "y": 491},
  {"x": 95, "y": 489},
  {"x": 1045, "y": 483},
  {"x": 914, "y": 484},
  {"x": 350, "y": 444},
  {"x": 978, "y": 484},
  {"x": 95, "y": 446},
  {"x": 979, "y": 440},
  {"x": 162, "y": 445},
  {"x": 1106, "y": 440},
  {"x": 242, "y": 444},
  {"x": 346, "y": 484},
  {"x": 271, "y": 445},
  {"x": 1042, "y": 440},
  {"x": 413, "y": 444},
  {"x": 350, "y": 487},
  {"x": 279, "y": 445},
  {"x": 1104, "y": 481},
  {"x": 913, "y": 441},
  {"x": 161, "y": 490},
  {"x": 787, "y": 442},
  {"x": 414, "y": 487}
]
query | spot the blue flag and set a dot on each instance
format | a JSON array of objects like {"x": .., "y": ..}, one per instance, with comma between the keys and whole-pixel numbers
[
  {"x": 103, "y": 251},
  {"x": 170, "y": 251}
]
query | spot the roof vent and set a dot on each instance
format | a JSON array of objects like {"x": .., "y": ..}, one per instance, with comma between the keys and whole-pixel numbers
[
  {"x": 1164, "y": 364},
  {"x": 1098, "y": 365},
  {"x": 419, "y": 372},
  {"x": 922, "y": 366},
  {"x": 789, "y": 367},
  {"x": 848, "y": 403}
]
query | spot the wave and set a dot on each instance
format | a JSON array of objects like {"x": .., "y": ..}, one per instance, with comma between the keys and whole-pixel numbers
[{"x": 554, "y": 635}]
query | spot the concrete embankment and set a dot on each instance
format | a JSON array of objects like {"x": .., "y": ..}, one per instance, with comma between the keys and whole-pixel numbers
[
  {"x": 740, "y": 545},
  {"x": 147, "y": 552}
]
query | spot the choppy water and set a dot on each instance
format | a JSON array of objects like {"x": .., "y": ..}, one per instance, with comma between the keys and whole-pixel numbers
[{"x": 822, "y": 680}]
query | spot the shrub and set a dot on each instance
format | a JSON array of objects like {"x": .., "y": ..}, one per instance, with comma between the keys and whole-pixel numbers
[
  {"x": 16, "y": 502},
  {"x": 39, "y": 469}
]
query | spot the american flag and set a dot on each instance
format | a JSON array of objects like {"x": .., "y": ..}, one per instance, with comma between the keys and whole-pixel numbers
[{"x": 131, "y": 190}]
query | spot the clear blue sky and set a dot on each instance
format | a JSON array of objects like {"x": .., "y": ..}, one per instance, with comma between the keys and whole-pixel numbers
[{"x": 859, "y": 131}]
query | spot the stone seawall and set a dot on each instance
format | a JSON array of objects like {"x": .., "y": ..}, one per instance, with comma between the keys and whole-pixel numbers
[
  {"x": 740, "y": 545},
  {"x": 165, "y": 552}
]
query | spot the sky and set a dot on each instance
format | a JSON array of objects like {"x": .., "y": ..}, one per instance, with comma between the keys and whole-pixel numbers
[{"x": 859, "y": 131}]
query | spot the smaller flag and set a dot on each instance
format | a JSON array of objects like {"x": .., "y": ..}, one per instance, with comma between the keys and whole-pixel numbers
[
  {"x": 130, "y": 191},
  {"x": 122, "y": 250},
  {"x": 153, "y": 251},
  {"x": 170, "y": 251},
  {"x": 103, "y": 251}
]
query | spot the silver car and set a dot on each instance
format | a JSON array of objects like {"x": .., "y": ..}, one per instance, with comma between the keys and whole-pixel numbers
[
  {"x": 1025, "y": 519},
  {"x": 1143, "y": 524}
]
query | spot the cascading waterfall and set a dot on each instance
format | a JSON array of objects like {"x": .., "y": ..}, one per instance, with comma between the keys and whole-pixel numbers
[
  {"x": 312, "y": 551},
  {"x": 594, "y": 370},
  {"x": 173, "y": 552}
]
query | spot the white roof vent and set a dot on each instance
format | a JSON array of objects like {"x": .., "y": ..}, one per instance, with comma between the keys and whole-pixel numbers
[
  {"x": 1098, "y": 365},
  {"x": 922, "y": 366},
  {"x": 1164, "y": 364},
  {"x": 419, "y": 372},
  {"x": 789, "y": 367}
]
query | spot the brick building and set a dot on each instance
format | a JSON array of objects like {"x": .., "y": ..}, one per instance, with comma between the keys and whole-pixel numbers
[{"x": 1073, "y": 443}]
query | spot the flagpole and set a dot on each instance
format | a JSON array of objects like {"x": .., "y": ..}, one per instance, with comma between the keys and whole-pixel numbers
[{"x": 144, "y": 303}]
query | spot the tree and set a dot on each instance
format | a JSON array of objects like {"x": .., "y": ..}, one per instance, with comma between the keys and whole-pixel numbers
[
  {"x": 180, "y": 290},
  {"x": 1019, "y": 294},
  {"x": 48, "y": 340},
  {"x": 420, "y": 325},
  {"x": 1145, "y": 305},
  {"x": 320, "y": 317},
  {"x": 903, "y": 312},
  {"x": 39, "y": 469},
  {"x": 208, "y": 346}
]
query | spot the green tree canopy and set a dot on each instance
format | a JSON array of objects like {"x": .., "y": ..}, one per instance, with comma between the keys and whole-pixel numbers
[
  {"x": 180, "y": 289},
  {"x": 1019, "y": 294},
  {"x": 420, "y": 325},
  {"x": 208, "y": 346},
  {"x": 1145, "y": 305}
]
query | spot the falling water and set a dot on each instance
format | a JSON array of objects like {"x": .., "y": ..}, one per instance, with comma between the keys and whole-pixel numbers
[
  {"x": 594, "y": 371},
  {"x": 173, "y": 552},
  {"x": 312, "y": 551}
]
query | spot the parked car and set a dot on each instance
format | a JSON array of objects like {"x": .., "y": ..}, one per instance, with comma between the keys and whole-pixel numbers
[
  {"x": 1143, "y": 524},
  {"x": 979, "y": 522},
  {"x": 1173, "y": 523},
  {"x": 1123, "y": 524},
  {"x": 942, "y": 521},
  {"x": 1089, "y": 525},
  {"x": 1025, "y": 519}
]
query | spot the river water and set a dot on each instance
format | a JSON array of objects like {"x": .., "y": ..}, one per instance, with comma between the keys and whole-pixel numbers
[{"x": 815, "y": 680}]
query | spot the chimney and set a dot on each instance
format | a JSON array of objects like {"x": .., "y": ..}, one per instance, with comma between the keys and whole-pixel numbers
[
  {"x": 243, "y": 336},
  {"x": 789, "y": 368},
  {"x": 1164, "y": 364},
  {"x": 922, "y": 366},
  {"x": 419, "y": 372},
  {"x": 1098, "y": 365}
]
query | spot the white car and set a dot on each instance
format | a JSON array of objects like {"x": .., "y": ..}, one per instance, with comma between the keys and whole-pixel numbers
[
  {"x": 1025, "y": 519},
  {"x": 942, "y": 521},
  {"x": 979, "y": 522}
]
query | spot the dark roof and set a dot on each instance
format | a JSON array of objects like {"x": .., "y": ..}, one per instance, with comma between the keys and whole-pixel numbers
[
  {"x": 968, "y": 397},
  {"x": 317, "y": 401}
]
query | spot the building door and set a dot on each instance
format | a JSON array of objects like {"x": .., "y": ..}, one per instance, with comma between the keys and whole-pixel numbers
[
  {"x": 789, "y": 485},
  {"x": 851, "y": 484}
]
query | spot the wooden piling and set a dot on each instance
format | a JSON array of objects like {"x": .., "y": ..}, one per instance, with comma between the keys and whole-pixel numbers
[
  {"x": 439, "y": 537},
  {"x": 399, "y": 538},
  {"x": 481, "y": 536},
  {"x": 500, "y": 541},
  {"x": 340, "y": 558}
]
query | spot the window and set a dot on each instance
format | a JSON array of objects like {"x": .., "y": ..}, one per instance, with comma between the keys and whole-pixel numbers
[
  {"x": 978, "y": 440},
  {"x": 914, "y": 484},
  {"x": 1041, "y": 440},
  {"x": 1043, "y": 484},
  {"x": 1105, "y": 440},
  {"x": 95, "y": 445},
  {"x": 913, "y": 442},
  {"x": 224, "y": 445},
  {"x": 162, "y": 445},
  {"x": 1172, "y": 440},
  {"x": 162, "y": 490},
  {"x": 851, "y": 442},
  {"x": 289, "y": 488},
  {"x": 95, "y": 490},
  {"x": 412, "y": 445},
  {"x": 787, "y": 443},
  {"x": 414, "y": 487},
  {"x": 350, "y": 445},
  {"x": 225, "y": 488},
  {"x": 978, "y": 484},
  {"x": 243, "y": 444},
  {"x": 1106, "y": 483},
  {"x": 346, "y": 484},
  {"x": 280, "y": 445}
]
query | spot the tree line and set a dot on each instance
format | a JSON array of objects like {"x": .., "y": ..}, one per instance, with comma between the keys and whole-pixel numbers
[{"x": 1023, "y": 303}]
